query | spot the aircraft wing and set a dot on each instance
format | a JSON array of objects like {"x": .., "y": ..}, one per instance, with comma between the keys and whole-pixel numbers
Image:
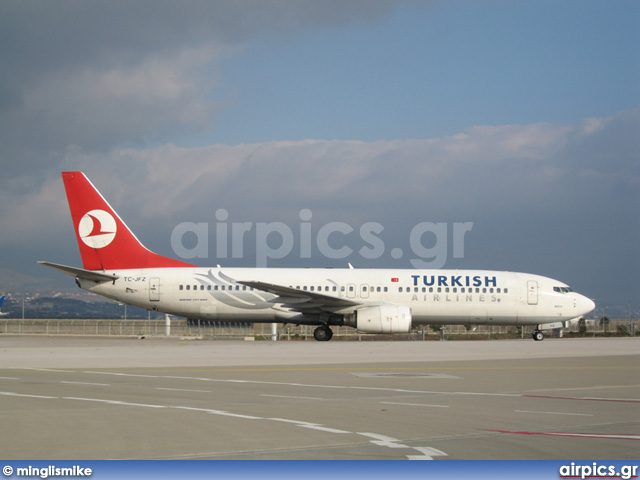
[
  {"x": 81, "y": 273},
  {"x": 303, "y": 301}
]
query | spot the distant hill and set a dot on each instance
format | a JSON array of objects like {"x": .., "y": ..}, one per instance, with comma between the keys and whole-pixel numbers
[{"x": 70, "y": 308}]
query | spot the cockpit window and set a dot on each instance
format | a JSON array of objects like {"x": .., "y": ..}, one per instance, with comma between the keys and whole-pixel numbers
[{"x": 562, "y": 289}]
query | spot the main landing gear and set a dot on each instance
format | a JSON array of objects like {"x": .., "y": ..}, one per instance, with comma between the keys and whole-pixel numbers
[
  {"x": 538, "y": 336},
  {"x": 323, "y": 333}
]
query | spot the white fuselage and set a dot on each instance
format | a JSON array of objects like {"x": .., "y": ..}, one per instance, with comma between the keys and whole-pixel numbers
[{"x": 434, "y": 296}]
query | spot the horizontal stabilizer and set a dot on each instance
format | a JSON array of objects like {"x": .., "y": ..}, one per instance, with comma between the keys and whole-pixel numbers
[{"x": 81, "y": 273}]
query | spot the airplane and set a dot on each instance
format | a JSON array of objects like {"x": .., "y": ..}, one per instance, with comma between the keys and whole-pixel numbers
[
  {"x": 1, "y": 302},
  {"x": 116, "y": 265}
]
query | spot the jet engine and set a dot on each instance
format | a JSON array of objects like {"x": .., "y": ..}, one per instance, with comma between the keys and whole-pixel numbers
[{"x": 383, "y": 318}]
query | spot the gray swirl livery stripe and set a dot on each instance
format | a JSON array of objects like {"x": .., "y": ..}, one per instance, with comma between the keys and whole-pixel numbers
[{"x": 224, "y": 296}]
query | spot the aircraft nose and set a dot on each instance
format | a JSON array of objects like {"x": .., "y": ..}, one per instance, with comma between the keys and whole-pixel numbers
[{"x": 586, "y": 305}]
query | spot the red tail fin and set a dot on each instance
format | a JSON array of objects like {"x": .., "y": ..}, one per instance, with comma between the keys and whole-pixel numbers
[{"x": 105, "y": 242}]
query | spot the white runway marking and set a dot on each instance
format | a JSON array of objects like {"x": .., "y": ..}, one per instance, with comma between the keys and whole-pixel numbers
[
  {"x": 383, "y": 440},
  {"x": 335, "y": 387},
  {"x": 13, "y": 394},
  {"x": 87, "y": 383},
  {"x": 556, "y": 413},
  {"x": 285, "y": 420},
  {"x": 118, "y": 374},
  {"x": 115, "y": 402},
  {"x": 567, "y": 389},
  {"x": 427, "y": 453},
  {"x": 184, "y": 390},
  {"x": 416, "y": 404},
  {"x": 290, "y": 396},
  {"x": 49, "y": 370},
  {"x": 9, "y": 378},
  {"x": 322, "y": 429},
  {"x": 621, "y": 436}
]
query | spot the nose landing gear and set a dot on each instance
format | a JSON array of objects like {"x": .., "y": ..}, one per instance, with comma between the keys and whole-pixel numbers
[{"x": 538, "y": 336}]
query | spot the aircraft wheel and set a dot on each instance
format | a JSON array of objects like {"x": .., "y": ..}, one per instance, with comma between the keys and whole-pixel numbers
[
  {"x": 322, "y": 333},
  {"x": 538, "y": 336}
]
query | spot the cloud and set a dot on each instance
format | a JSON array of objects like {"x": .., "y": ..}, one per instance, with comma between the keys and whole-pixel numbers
[
  {"x": 528, "y": 164},
  {"x": 102, "y": 74},
  {"x": 520, "y": 159},
  {"x": 97, "y": 107}
]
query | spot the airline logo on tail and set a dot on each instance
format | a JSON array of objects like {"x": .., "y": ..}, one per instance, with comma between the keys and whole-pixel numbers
[{"x": 97, "y": 228}]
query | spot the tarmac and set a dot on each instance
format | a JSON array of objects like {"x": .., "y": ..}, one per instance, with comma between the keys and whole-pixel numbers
[{"x": 167, "y": 398}]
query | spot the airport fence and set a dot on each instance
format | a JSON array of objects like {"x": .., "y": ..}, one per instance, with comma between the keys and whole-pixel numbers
[
  {"x": 221, "y": 330},
  {"x": 453, "y": 332},
  {"x": 118, "y": 327}
]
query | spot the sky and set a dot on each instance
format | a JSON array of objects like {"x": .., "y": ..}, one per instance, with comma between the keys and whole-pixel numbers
[{"x": 386, "y": 134}]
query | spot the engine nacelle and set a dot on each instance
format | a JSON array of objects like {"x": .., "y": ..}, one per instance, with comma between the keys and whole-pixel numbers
[{"x": 384, "y": 318}]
